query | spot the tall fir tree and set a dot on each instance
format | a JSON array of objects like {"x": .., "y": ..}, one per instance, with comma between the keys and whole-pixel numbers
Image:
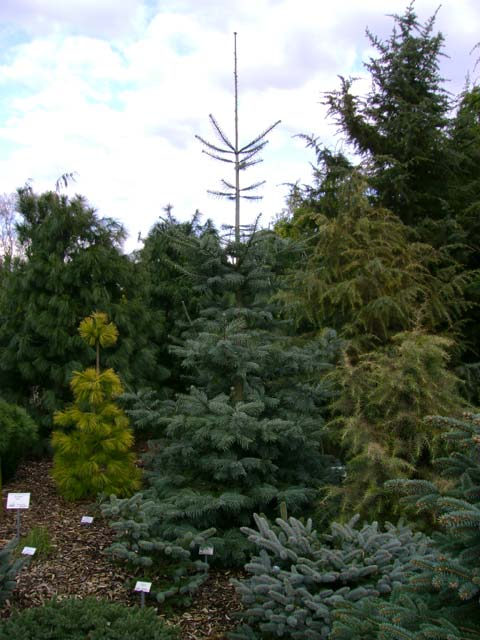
[{"x": 249, "y": 433}]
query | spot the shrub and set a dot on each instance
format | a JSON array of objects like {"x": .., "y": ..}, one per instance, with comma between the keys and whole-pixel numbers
[
  {"x": 9, "y": 568},
  {"x": 18, "y": 434},
  {"x": 80, "y": 619},
  {"x": 299, "y": 576}
]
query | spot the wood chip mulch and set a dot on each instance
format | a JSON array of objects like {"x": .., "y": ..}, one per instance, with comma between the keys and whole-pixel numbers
[{"x": 78, "y": 567}]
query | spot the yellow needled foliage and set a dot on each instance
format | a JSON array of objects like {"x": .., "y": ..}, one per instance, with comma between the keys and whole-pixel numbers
[{"x": 92, "y": 450}]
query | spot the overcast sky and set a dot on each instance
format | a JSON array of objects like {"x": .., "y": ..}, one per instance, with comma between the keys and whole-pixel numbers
[{"x": 116, "y": 90}]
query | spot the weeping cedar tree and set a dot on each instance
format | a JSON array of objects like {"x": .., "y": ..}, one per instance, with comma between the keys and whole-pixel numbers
[
  {"x": 389, "y": 297},
  {"x": 248, "y": 435},
  {"x": 72, "y": 264},
  {"x": 92, "y": 453},
  {"x": 298, "y": 576},
  {"x": 400, "y": 127},
  {"x": 443, "y": 600}
]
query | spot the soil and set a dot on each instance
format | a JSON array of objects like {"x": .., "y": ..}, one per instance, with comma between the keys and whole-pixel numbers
[{"x": 77, "y": 564}]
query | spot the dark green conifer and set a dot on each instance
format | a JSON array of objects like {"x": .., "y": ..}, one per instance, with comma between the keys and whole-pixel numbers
[
  {"x": 72, "y": 264},
  {"x": 400, "y": 127}
]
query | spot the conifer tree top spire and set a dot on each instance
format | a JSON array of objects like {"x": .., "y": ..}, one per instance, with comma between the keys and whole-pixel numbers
[{"x": 241, "y": 157}]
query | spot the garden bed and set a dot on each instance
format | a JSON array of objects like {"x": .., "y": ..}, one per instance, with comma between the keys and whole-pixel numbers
[{"x": 77, "y": 566}]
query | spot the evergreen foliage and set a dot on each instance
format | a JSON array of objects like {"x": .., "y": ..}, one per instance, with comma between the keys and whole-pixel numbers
[
  {"x": 378, "y": 416},
  {"x": 168, "y": 262},
  {"x": 9, "y": 568},
  {"x": 249, "y": 433},
  {"x": 18, "y": 435},
  {"x": 299, "y": 576},
  {"x": 92, "y": 453},
  {"x": 90, "y": 618},
  {"x": 400, "y": 127},
  {"x": 442, "y": 601},
  {"x": 72, "y": 264},
  {"x": 148, "y": 541},
  {"x": 366, "y": 276}
]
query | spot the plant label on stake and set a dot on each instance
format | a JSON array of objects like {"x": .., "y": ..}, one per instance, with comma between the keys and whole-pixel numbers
[
  {"x": 28, "y": 551},
  {"x": 143, "y": 587},
  {"x": 18, "y": 501},
  {"x": 86, "y": 520},
  {"x": 205, "y": 551}
]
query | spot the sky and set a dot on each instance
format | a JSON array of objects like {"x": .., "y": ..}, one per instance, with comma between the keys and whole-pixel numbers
[{"x": 116, "y": 90}]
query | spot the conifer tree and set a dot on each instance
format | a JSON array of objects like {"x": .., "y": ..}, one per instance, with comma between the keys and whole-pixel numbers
[
  {"x": 249, "y": 433},
  {"x": 241, "y": 157},
  {"x": 400, "y": 127},
  {"x": 378, "y": 417},
  {"x": 9, "y": 568},
  {"x": 365, "y": 274},
  {"x": 72, "y": 264},
  {"x": 167, "y": 261},
  {"x": 389, "y": 297},
  {"x": 92, "y": 452}
]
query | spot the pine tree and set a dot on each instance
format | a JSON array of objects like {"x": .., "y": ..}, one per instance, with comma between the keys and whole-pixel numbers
[
  {"x": 443, "y": 600},
  {"x": 18, "y": 436},
  {"x": 249, "y": 433},
  {"x": 72, "y": 264},
  {"x": 298, "y": 577},
  {"x": 92, "y": 453}
]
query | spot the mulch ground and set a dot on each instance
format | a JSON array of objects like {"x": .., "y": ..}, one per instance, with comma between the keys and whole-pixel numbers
[{"x": 77, "y": 566}]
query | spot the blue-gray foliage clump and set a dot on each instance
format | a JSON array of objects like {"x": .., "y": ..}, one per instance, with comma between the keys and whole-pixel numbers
[{"x": 300, "y": 576}]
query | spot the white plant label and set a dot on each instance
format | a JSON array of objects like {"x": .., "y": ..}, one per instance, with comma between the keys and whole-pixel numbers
[
  {"x": 205, "y": 551},
  {"x": 18, "y": 501},
  {"x": 86, "y": 520},
  {"x": 28, "y": 551},
  {"x": 143, "y": 586}
]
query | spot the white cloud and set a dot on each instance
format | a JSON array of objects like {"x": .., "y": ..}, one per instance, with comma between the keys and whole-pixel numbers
[{"x": 117, "y": 91}]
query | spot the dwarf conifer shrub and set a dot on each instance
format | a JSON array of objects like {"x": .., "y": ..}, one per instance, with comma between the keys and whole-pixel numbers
[
  {"x": 92, "y": 452},
  {"x": 9, "y": 568},
  {"x": 80, "y": 619},
  {"x": 299, "y": 576}
]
